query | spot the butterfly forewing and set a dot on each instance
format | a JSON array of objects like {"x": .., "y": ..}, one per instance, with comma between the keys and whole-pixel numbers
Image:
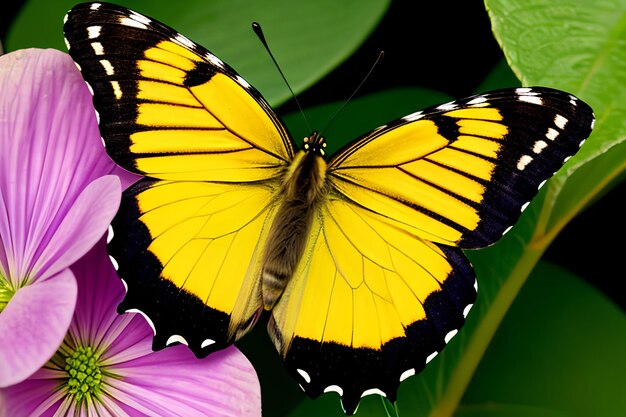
[
  {"x": 168, "y": 108},
  {"x": 461, "y": 173},
  {"x": 369, "y": 305},
  {"x": 191, "y": 267}
]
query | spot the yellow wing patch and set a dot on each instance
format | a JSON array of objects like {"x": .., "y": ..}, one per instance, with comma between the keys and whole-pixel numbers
[
  {"x": 191, "y": 224},
  {"x": 430, "y": 175},
  {"x": 365, "y": 294},
  {"x": 365, "y": 280}
]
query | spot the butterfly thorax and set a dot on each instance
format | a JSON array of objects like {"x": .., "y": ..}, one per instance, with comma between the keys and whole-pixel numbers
[{"x": 302, "y": 190}]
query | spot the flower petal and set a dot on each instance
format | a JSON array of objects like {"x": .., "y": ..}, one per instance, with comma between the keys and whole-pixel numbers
[
  {"x": 173, "y": 382},
  {"x": 96, "y": 322},
  {"x": 50, "y": 150},
  {"x": 33, "y": 397},
  {"x": 33, "y": 325},
  {"x": 85, "y": 222}
]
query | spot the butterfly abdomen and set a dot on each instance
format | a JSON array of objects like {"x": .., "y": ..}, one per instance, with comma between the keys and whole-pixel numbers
[{"x": 301, "y": 193}]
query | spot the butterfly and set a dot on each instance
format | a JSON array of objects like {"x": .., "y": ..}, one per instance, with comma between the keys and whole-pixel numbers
[{"x": 357, "y": 257}]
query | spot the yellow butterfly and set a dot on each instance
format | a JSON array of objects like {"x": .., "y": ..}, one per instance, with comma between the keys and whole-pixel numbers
[{"x": 358, "y": 257}]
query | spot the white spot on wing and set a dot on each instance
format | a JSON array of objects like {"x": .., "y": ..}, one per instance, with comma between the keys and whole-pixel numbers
[
  {"x": 525, "y": 205},
  {"x": 117, "y": 91},
  {"x": 413, "y": 116},
  {"x": 243, "y": 82},
  {"x": 467, "y": 309},
  {"x": 110, "y": 234},
  {"x": 448, "y": 106},
  {"x": 372, "y": 391},
  {"x": 531, "y": 99},
  {"x": 450, "y": 335},
  {"x": 552, "y": 133},
  {"x": 65, "y": 18},
  {"x": 108, "y": 68},
  {"x": 116, "y": 266},
  {"x": 67, "y": 44},
  {"x": 176, "y": 338},
  {"x": 304, "y": 375},
  {"x": 125, "y": 285},
  {"x": 95, "y": 6},
  {"x": 523, "y": 90},
  {"x": 145, "y": 316},
  {"x": 127, "y": 21},
  {"x": 98, "y": 49},
  {"x": 560, "y": 121},
  {"x": 184, "y": 40},
  {"x": 139, "y": 17},
  {"x": 478, "y": 100},
  {"x": 406, "y": 374},
  {"x": 593, "y": 122},
  {"x": 506, "y": 230},
  {"x": 431, "y": 356},
  {"x": 89, "y": 88},
  {"x": 475, "y": 284},
  {"x": 206, "y": 342},
  {"x": 214, "y": 60},
  {"x": 542, "y": 184},
  {"x": 93, "y": 31},
  {"x": 334, "y": 388},
  {"x": 539, "y": 146},
  {"x": 523, "y": 161}
]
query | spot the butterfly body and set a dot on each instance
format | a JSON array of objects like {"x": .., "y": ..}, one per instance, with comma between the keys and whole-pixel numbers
[
  {"x": 301, "y": 194},
  {"x": 358, "y": 258}
]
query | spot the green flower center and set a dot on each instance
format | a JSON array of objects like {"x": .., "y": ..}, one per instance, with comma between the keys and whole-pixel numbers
[
  {"x": 6, "y": 292},
  {"x": 84, "y": 373}
]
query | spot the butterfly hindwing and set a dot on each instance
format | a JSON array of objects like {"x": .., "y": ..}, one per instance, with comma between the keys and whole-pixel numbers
[
  {"x": 168, "y": 108},
  {"x": 177, "y": 242},
  {"x": 369, "y": 305}
]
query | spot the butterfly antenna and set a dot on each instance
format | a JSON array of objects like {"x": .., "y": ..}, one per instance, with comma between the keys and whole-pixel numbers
[
  {"x": 259, "y": 33},
  {"x": 380, "y": 56}
]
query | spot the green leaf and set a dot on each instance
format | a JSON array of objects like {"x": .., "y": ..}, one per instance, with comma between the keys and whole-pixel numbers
[
  {"x": 538, "y": 39},
  {"x": 560, "y": 348},
  {"x": 579, "y": 47},
  {"x": 507, "y": 410},
  {"x": 309, "y": 39}
]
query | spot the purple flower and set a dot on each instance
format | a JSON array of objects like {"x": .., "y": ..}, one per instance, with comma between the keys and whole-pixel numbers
[
  {"x": 56, "y": 201},
  {"x": 106, "y": 366}
]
